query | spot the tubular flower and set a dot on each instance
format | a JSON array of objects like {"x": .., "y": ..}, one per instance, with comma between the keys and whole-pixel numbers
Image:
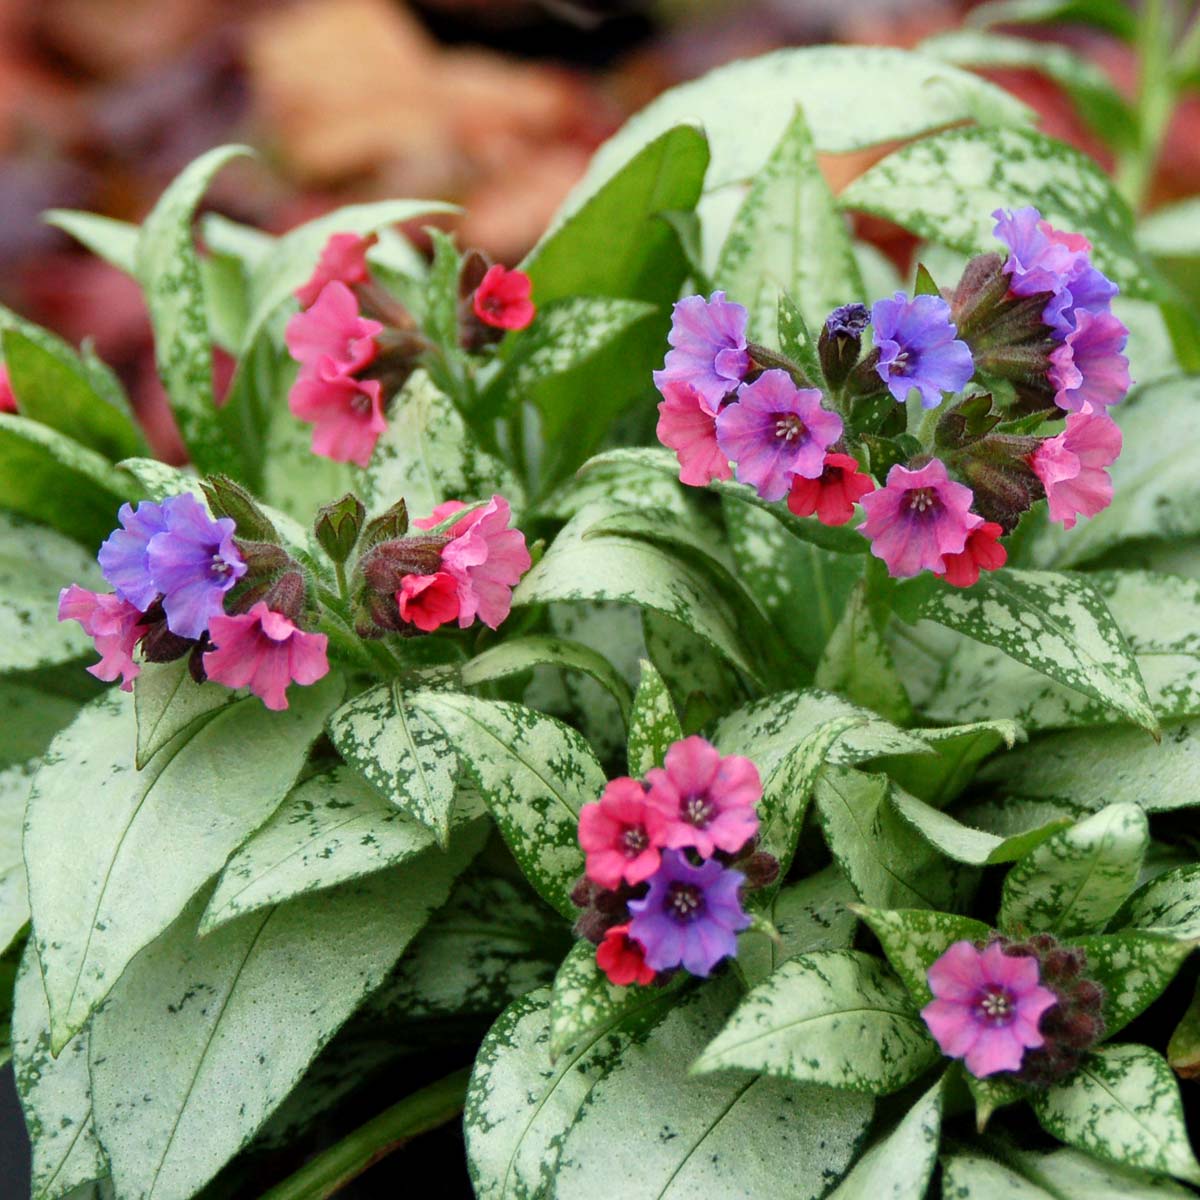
[
  {"x": 502, "y": 299},
  {"x": 708, "y": 348},
  {"x": 686, "y": 426},
  {"x": 1071, "y": 467},
  {"x": 621, "y": 834},
  {"x": 833, "y": 494},
  {"x": 982, "y": 552},
  {"x": 343, "y": 260},
  {"x": 623, "y": 959},
  {"x": 919, "y": 348},
  {"x": 113, "y": 625}
]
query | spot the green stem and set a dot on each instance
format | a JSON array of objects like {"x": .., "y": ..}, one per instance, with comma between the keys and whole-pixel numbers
[
  {"x": 332, "y": 1169},
  {"x": 343, "y": 589}
]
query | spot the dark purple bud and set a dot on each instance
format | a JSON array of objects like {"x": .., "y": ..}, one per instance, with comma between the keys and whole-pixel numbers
[
  {"x": 593, "y": 925},
  {"x": 196, "y": 659},
  {"x": 1005, "y": 486},
  {"x": 583, "y": 892},
  {"x": 841, "y": 341},
  {"x": 761, "y": 870},
  {"x": 1088, "y": 996}
]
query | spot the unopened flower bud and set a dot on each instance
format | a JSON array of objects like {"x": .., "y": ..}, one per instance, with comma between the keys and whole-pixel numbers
[
  {"x": 288, "y": 595},
  {"x": 229, "y": 499},
  {"x": 384, "y": 566},
  {"x": 983, "y": 286},
  {"x": 386, "y": 527},
  {"x": 841, "y": 341},
  {"x": 760, "y": 869},
  {"x": 338, "y": 525},
  {"x": 1005, "y": 486},
  {"x": 966, "y": 422},
  {"x": 159, "y": 644}
]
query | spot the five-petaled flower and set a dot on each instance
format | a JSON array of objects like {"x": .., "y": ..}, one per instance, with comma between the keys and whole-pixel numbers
[
  {"x": 428, "y": 601},
  {"x": 986, "y": 1007},
  {"x": 621, "y": 834},
  {"x": 502, "y": 299},
  {"x": 113, "y": 625},
  {"x": 343, "y": 260},
  {"x": 686, "y": 426},
  {"x": 919, "y": 348},
  {"x": 983, "y": 552},
  {"x": 623, "y": 959},
  {"x": 833, "y": 494},
  {"x": 330, "y": 338},
  {"x": 708, "y": 348},
  {"x": 1072, "y": 465}
]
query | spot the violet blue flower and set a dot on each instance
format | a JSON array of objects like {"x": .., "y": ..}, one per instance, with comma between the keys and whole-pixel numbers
[
  {"x": 1072, "y": 466},
  {"x": 919, "y": 348},
  {"x": 1088, "y": 368},
  {"x": 691, "y": 915},
  {"x": 193, "y": 562},
  {"x": 776, "y": 431},
  {"x": 708, "y": 340},
  {"x": 986, "y": 1007},
  {"x": 917, "y": 518},
  {"x": 123, "y": 556}
]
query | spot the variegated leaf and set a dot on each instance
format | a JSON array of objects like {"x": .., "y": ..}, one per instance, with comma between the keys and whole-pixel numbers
[{"x": 653, "y": 723}]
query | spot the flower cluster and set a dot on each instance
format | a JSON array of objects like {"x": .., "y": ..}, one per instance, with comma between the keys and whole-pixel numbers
[
  {"x": 1019, "y": 343},
  {"x": 357, "y": 344},
  {"x": 660, "y": 887},
  {"x": 1023, "y": 1008}
]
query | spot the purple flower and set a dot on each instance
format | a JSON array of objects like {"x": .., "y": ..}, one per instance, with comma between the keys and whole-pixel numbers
[
  {"x": 917, "y": 519},
  {"x": 987, "y": 1006},
  {"x": 691, "y": 915},
  {"x": 1044, "y": 259},
  {"x": 848, "y": 321},
  {"x": 918, "y": 348},
  {"x": 708, "y": 339},
  {"x": 776, "y": 431},
  {"x": 193, "y": 562},
  {"x": 1088, "y": 370},
  {"x": 122, "y": 557}
]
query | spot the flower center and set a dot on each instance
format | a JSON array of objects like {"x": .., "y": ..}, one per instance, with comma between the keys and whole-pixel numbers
[
  {"x": 789, "y": 427},
  {"x": 900, "y": 364},
  {"x": 685, "y": 902},
  {"x": 922, "y": 501},
  {"x": 360, "y": 404},
  {"x": 697, "y": 810},
  {"x": 996, "y": 1006},
  {"x": 634, "y": 841},
  {"x": 218, "y": 568}
]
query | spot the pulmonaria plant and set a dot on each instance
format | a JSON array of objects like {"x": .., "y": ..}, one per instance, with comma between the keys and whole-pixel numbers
[{"x": 995, "y": 363}]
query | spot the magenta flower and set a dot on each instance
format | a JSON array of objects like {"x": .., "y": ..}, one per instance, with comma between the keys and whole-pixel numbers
[
  {"x": 919, "y": 348},
  {"x": 264, "y": 651},
  {"x": 193, "y": 562},
  {"x": 8, "y": 398},
  {"x": 123, "y": 556},
  {"x": 686, "y": 426},
  {"x": 691, "y": 915},
  {"x": 917, "y": 519},
  {"x": 987, "y": 1006},
  {"x": 706, "y": 801},
  {"x": 112, "y": 623},
  {"x": 776, "y": 431},
  {"x": 1072, "y": 466},
  {"x": 428, "y": 601},
  {"x": 1044, "y": 259},
  {"x": 621, "y": 835},
  {"x": 1088, "y": 368},
  {"x": 330, "y": 338},
  {"x": 442, "y": 512},
  {"x": 343, "y": 260},
  {"x": 346, "y": 415},
  {"x": 708, "y": 340},
  {"x": 487, "y": 560}
]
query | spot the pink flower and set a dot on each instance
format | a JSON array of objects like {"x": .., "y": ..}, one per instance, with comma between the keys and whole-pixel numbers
[
  {"x": 330, "y": 338},
  {"x": 264, "y": 651},
  {"x": 487, "y": 560},
  {"x": 833, "y": 494},
  {"x": 686, "y": 426},
  {"x": 982, "y": 552},
  {"x": 8, "y": 398},
  {"x": 428, "y": 601},
  {"x": 343, "y": 260},
  {"x": 706, "y": 801},
  {"x": 918, "y": 518},
  {"x": 621, "y": 834},
  {"x": 987, "y": 1006},
  {"x": 447, "y": 508},
  {"x": 623, "y": 958},
  {"x": 776, "y": 431},
  {"x": 502, "y": 299},
  {"x": 1072, "y": 465},
  {"x": 1088, "y": 369},
  {"x": 112, "y": 623},
  {"x": 346, "y": 413}
]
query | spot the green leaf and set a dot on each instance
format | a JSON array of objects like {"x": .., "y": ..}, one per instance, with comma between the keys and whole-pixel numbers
[
  {"x": 539, "y": 649},
  {"x": 653, "y": 724},
  {"x": 401, "y": 752},
  {"x": 331, "y": 829},
  {"x": 441, "y": 293},
  {"x": 1111, "y": 15},
  {"x": 520, "y": 1103},
  {"x": 1172, "y": 231},
  {"x": 615, "y": 245},
  {"x": 946, "y": 187},
  {"x": 52, "y": 479},
  {"x": 667, "y": 1133},
  {"x": 270, "y": 989},
  {"x": 1074, "y": 882},
  {"x": 691, "y": 669},
  {"x": 114, "y": 241},
  {"x": 628, "y": 571},
  {"x": 915, "y": 938},
  {"x": 976, "y": 1177},
  {"x": 169, "y": 272},
  {"x": 900, "y": 1165},
  {"x": 54, "y": 387},
  {"x": 1123, "y": 1106},
  {"x": 1133, "y": 968},
  {"x": 534, "y": 773},
  {"x": 566, "y": 334},
  {"x": 55, "y": 1094},
  {"x": 965, "y": 844},
  {"x": 852, "y": 97},
  {"x": 111, "y": 864},
  {"x": 35, "y": 564},
  {"x": 1067, "y": 1172},
  {"x": 1057, "y": 624},
  {"x": 796, "y": 341},
  {"x": 14, "y": 892},
  {"x": 166, "y": 701},
  {"x": 834, "y": 1017},
  {"x": 1168, "y": 904},
  {"x": 788, "y": 237},
  {"x": 889, "y": 864},
  {"x": 427, "y": 456},
  {"x": 1183, "y": 1050}
]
